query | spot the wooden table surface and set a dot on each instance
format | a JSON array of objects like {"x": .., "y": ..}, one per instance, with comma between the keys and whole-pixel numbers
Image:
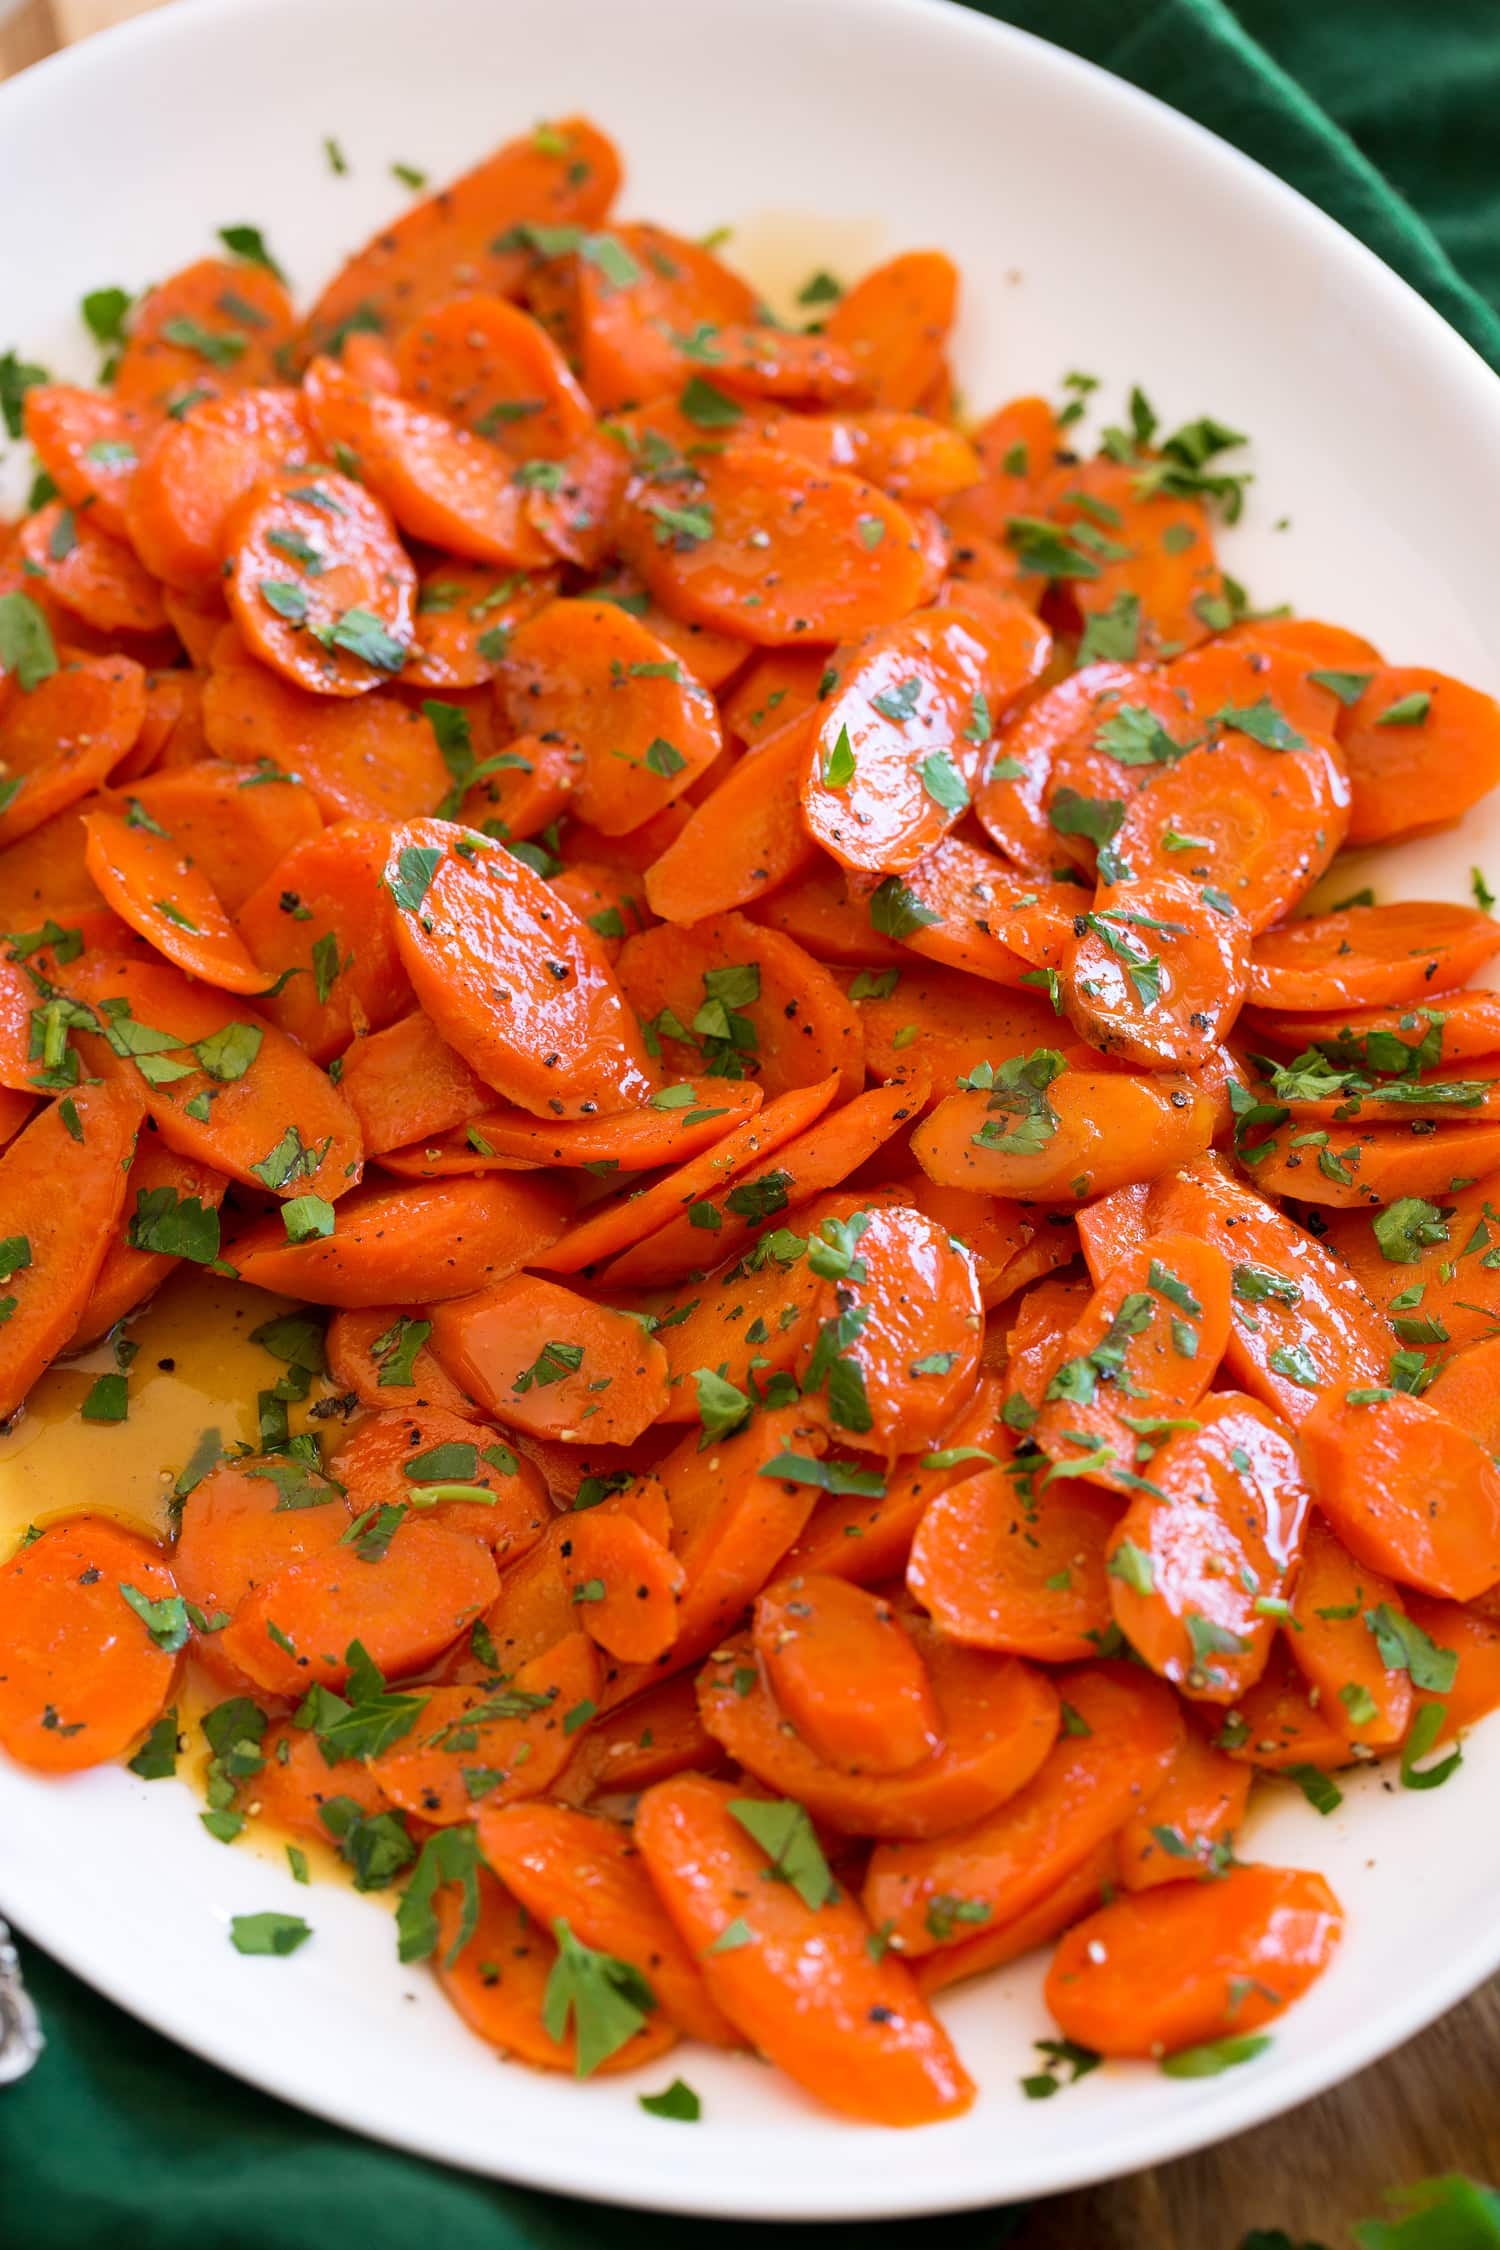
[{"x": 1434, "y": 2106}]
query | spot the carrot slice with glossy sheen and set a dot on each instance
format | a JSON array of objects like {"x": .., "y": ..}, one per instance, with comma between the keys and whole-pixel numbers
[
  {"x": 589, "y": 1871},
  {"x": 911, "y": 456},
  {"x": 999, "y": 1565},
  {"x": 847, "y": 1674},
  {"x": 591, "y": 671},
  {"x": 808, "y": 1992},
  {"x": 380, "y": 1355},
  {"x": 703, "y": 1112},
  {"x": 162, "y": 893},
  {"x": 62, "y": 1187},
  {"x": 65, "y": 737},
  {"x": 498, "y": 1742},
  {"x": 428, "y": 1458},
  {"x": 742, "y": 841},
  {"x": 950, "y": 1022},
  {"x": 1334, "y": 1648},
  {"x": 898, "y": 743},
  {"x": 1473, "y": 1637},
  {"x": 1011, "y": 801},
  {"x": 655, "y": 1735},
  {"x": 464, "y": 617},
  {"x": 323, "y": 915},
  {"x": 1370, "y": 956},
  {"x": 81, "y": 1675},
  {"x": 1467, "y": 1391},
  {"x": 94, "y": 575},
  {"x": 965, "y": 908},
  {"x": 1408, "y": 1492},
  {"x": 1008, "y": 1860},
  {"x": 90, "y": 443},
  {"x": 1186, "y": 1829},
  {"x": 403, "y": 1608},
  {"x": 408, "y": 1242},
  {"x": 1193, "y": 1962},
  {"x": 896, "y": 322},
  {"x": 1354, "y": 1167},
  {"x": 318, "y": 583},
  {"x": 1438, "y": 1271},
  {"x": 1158, "y": 974},
  {"x": 490, "y": 367},
  {"x": 130, "y": 1273},
  {"x": 364, "y": 758},
  {"x": 1144, "y": 1351},
  {"x": 196, "y": 469},
  {"x": 1422, "y": 748},
  {"x": 406, "y": 1082},
  {"x": 1077, "y": 1893},
  {"x": 237, "y": 829},
  {"x": 767, "y": 548},
  {"x": 236, "y": 1531},
  {"x": 627, "y": 1583},
  {"x": 510, "y": 976},
  {"x": 1212, "y": 1540},
  {"x": 548, "y": 1360},
  {"x": 1103, "y": 1131},
  {"x": 1153, "y": 551},
  {"x": 1277, "y": 1726},
  {"x": 997, "y": 1719},
  {"x": 215, "y": 325}
]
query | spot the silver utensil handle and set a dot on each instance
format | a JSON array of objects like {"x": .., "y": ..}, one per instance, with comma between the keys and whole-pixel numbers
[{"x": 21, "y": 2038}]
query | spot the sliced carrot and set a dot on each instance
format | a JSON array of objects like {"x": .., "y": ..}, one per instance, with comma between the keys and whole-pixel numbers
[
  {"x": 997, "y": 1719},
  {"x": 626, "y": 1582},
  {"x": 766, "y": 548},
  {"x": 257, "y": 1109},
  {"x": 1370, "y": 956},
  {"x": 473, "y": 233},
  {"x": 1077, "y": 1893},
  {"x": 197, "y": 619},
  {"x": 236, "y": 828},
  {"x": 1422, "y": 748},
  {"x": 1473, "y": 1637},
  {"x": 1191, "y": 1963},
  {"x": 237, "y": 1531},
  {"x": 379, "y": 1356},
  {"x": 510, "y": 976},
  {"x": 1080, "y": 1135},
  {"x": 318, "y": 582},
  {"x": 197, "y": 468},
  {"x": 90, "y": 443},
  {"x": 826, "y": 910},
  {"x": 896, "y": 322},
  {"x": 633, "y": 302},
  {"x": 738, "y": 1315},
  {"x": 1253, "y": 675},
  {"x": 1466, "y": 1390},
  {"x": 550, "y": 1361},
  {"x": 996, "y": 1232},
  {"x": 910, "y": 456},
  {"x": 808, "y": 1991},
  {"x": 965, "y": 908},
  {"x": 94, "y": 575},
  {"x": 743, "y": 998},
  {"x": 1277, "y": 1726},
  {"x": 162, "y": 893},
  {"x": 366, "y": 758},
  {"x": 465, "y": 614},
  {"x": 632, "y": 1140},
  {"x": 131, "y": 1270},
  {"x": 1408, "y": 1492},
  {"x": 322, "y": 916},
  {"x": 998, "y": 1565},
  {"x": 1111, "y": 1228},
  {"x": 1142, "y": 555},
  {"x": 948, "y": 1021},
  {"x": 496, "y": 1743},
  {"x": 407, "y": 1242},
  {"x": 65, "y": 737},
  {"x": 433, "y": 1459},
  {"x": 1105, "y": 1764},
  {"x": 655, "y": 1735},
  {"x": 406, "y": 1083},
  {"x": 490, "y": 367},
  {"x": 216, "y": 325},
  {"x": 609, "y": 900},
  {"x": 1355, "y": 1167},
  {"x": 1158, "y": 974},
  {"x": 1201, "y": 1559},
  {"x": 295, "y": 1782},
  {"x": 1334, "y": 1647},
  {"x": 846, "y": 1672},
  {"x": 1437, "y": 1270},
  {"x": 1016, "y": 779},
  {"x": 1186, "y": 1829},
  {"x": 744, "y": 840},
  {"x": 589, "y": 1872},
  {"x": 899, "y": 741},
  {"x": 171, "y": 734},
  {"x": 404, "y": 1608},
  {"x": 85, "y": 1671}
]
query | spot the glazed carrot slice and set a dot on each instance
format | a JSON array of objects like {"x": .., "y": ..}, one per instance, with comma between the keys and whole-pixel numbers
[
  {"x": 1357, "y": 1166},
  {"x": 963, "y": 907},
  {"x": 318, "y": 583},
  {"x": 407, "y": 1242},
  {"x": 1077, "y": 1893},
  {"x": 172, "y": 733},
  {"x": 1252, "y": 684},
  {"x": 442, "y": 484},
  {"x": 1421, "y": 747},
  {"x": 745, "y": 999},
  {"x": 62, "y": 1188},
  {"x": 1452, "y": 1027},
  {"x": 591, "y": 671},
  {"x": 766, "y": 548},
  {"x": 744, "y": 840},
  {"x": 256, "y": 1108},
  {"x": 1186, "y": 1828},
  {"x": 1336, "y": 1650},
  {"x": 509, "y": 2010},
  {"x": 896, "y": 321},
  {"x": 1313, "y": 1326},
  {"x": 819, "y": 1158},
  {"x": 1193, "y": 1962},
  {"x": 826, "y": 909},
  {"x": 542, "y": 1357},
  {"x": 1466, "y": 1390},
  {"x": 404, "y": 1607},
  {"x": 999, "y": 1565},
  {"x": 1036, "y": 1336},
  {"x": 846, "y": 1672},
  {"x": 1472, "y": 1636},
  {"x": 131, "y": 1270},
  {"x": 161, "y": 892},
  {"x": 554, "y": 1036},
  {"x": 807, "y": 1992},
  {"x": 1144, "y": 1351},
  {"x": 934, "y": 1892},
  {"x": 1308, "y": 637},
  {"x": 490, "y": 367},
  {"x": 95, "y": 576},
  {"x": 763, "y": 360},
  {"x": 364, "y": 758},
  {"x": 405, "y": 1082},
  {"x": 295, "y": 1782},
  {"x": 1158, "y": 974},
  {"x": 237, "y": 1530},
  {"x": 1200, "y": 1561},
  {"x": 705, "y": 1111},
  {"x": 678, "y": 1195},
  {"x": 710, "y": 1323},
  {"x": 84, "y": 1673},
  {"x": 197, "y": 468},
  {"x": 322, "y": 915},
  {"x": 1408, "y": 1492},
  {"x": 498, "y": 1743},
  {"x": 908, "y": 455},
  {"x": 775, "y": 687},
  {"x": 65, "y": 737},
  {"x": 997, "y": 1719},
  {"x": 216, "y": 325},
  {"x": 1080, "y": 1135},
  {"x": 898, "y": 743},
  {"x": 90, "y": 443},
  {"x": 380, "y": 1356},
  {"x": 633, "y": 296},
  {"x": 627, "y": 1584},
  {"x": 1277, "y": 1726},
  {"x": 1154, "y": 552},
  {"x": 1016, "y": 780},
  {"x": 1370, "y": 956},
  {"x": 237, "y": 830},
  {"x": 1111, "y": 1228},
  {"x": 650, "y": 1738},
  {"x": 947, "y": 1021},
  {"x": 1436, "y": 1269},
  {"x": 558, "y": 1862},
  {"x": 471, "y": 234},
  {"x": 465, "y": 613}
]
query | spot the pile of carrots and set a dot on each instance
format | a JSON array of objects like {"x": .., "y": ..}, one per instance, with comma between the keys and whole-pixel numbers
[{"x": 904, "y": 1325}]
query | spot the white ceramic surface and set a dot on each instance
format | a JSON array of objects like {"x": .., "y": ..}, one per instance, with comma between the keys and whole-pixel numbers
[{"x": 1095, "y": 230}]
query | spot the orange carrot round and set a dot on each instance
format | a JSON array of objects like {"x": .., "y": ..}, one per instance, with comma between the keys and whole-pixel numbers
[{"x": 87, "y": 1667}]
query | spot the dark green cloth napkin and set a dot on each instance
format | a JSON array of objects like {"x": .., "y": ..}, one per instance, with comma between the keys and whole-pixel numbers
[{"x": 1379, "y": 110}]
